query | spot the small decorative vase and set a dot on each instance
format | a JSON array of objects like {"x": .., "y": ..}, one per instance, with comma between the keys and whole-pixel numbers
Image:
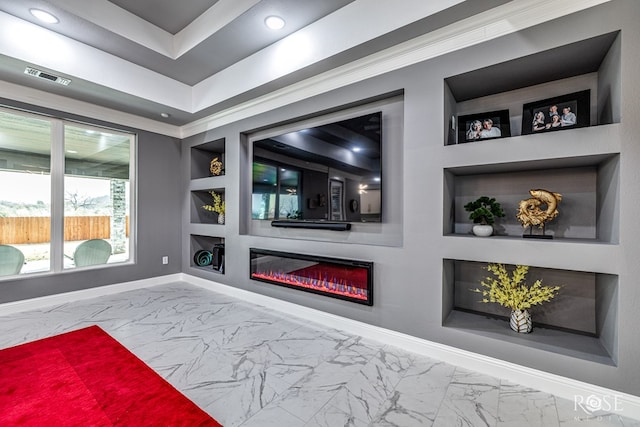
[
  {"x": 481, "y": 230},
  {"x": 221, "y": 218},
  {"x": 521, "y": 321}
]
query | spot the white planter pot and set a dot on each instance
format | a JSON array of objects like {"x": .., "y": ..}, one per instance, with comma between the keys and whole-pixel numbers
[{"x": 483, "y": 230}]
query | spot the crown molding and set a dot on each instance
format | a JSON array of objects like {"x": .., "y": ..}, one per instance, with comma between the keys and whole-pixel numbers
[{"x": 61, "y": 103}]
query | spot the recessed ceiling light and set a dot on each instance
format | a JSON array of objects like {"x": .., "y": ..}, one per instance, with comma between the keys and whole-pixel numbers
[
  {"x": 165, "y": 115},
  {"x": 44, "y": 16},
  {"x": 274, "y": 22},
  {"x": 356, "y": 149}
]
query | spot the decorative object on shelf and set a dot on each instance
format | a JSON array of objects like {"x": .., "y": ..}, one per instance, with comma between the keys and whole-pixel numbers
[
  {"x": 482, "y": 126},
  {"x": 217, "y": 261},
  {"x": 215, "y": 167},
  {"x": 483, "y": 213},
  {"x": 559, "y": 113},
  {"x": 513, "y": 293},
  {"x": 202, "y": 258},
  {"x": 217, "y": 207},
  {"x": 530, "y": 213}
]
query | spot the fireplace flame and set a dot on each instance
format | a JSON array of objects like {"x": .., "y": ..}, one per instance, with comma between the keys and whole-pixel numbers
[{"x": 334, "y": 285}]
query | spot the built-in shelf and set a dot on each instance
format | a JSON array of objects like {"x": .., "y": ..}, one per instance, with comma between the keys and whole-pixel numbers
[
  {"x": 542, "y": 338},
  {"x": 203, "y": 154},
  {"x": 207, "y": 243},
  {"x": 591, "y": 64},
  {"x": 579, "y": 322},
  {"x": 582, "y": 164},
  {"x": 200, "y": 198},
  {"x": 588, "y": 184}
]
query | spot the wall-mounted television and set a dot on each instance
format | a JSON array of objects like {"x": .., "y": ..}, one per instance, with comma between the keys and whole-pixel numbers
[{"x": 331, "y": 172}]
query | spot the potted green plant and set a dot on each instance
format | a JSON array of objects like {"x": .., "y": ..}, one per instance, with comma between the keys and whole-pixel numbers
[{"x": 483, "y": 213}]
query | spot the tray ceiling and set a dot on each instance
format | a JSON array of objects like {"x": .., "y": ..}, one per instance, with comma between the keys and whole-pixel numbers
[{"x": 195, "y": 58}]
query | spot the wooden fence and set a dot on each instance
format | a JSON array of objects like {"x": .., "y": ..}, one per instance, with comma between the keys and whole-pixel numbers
[{"x": 25, "y": 230}]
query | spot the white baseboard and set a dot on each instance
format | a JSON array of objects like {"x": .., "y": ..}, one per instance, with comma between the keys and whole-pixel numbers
[
  {"x": 49, "y": 300},
  {"x": 627, "y": 405},
  {"x": 622, "y": 404}
]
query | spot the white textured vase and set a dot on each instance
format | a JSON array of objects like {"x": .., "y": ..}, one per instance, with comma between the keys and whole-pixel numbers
[
  {"x": 521, "y": 321},
  {"x": 482, "y": 230},
  {"x": 221, "y": 218}
]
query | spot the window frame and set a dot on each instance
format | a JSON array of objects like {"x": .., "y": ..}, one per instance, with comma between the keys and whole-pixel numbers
[{"x": 57, "y": 177}]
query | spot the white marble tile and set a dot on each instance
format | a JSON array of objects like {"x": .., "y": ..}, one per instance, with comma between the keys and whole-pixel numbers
[
  {"x": 471, "y": 400},
  {"x": 251, "y": 366},
  {"x": 273, "y": 416},
  {"x": 417, "y": 396},
  {"x": 237, "y": 401},
  {"x": 331, "y": 416},
  {"x": 365, "y": 394},
  {"x": 306, "y": 397},
  {"x": 520, "y": 406}
]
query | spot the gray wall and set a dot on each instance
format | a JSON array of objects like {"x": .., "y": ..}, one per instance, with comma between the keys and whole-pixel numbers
[
  {"x": 412, "y": 284},
  {"x": 158, "y": 222}
]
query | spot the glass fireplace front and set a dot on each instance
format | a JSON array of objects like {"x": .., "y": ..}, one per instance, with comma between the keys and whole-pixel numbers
[{"x": 351, "y": 280}]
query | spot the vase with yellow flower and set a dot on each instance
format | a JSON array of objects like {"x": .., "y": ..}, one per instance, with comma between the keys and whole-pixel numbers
[
  {"x": 509, "y": 290},
  {"x": 218, "y": 206}
]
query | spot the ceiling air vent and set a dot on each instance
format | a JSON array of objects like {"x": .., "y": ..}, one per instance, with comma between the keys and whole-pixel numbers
[{"x": 47, "y": 76}]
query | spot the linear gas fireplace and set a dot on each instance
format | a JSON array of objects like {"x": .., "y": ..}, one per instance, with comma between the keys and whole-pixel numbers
[{"x": 351, "y": 280}]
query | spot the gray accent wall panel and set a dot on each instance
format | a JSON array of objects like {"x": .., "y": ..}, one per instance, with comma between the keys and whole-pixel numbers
[{"x": 412, "y": 290}]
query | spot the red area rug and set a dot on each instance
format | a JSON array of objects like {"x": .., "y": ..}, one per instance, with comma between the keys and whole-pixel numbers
[{"x": 87, "y": 378}]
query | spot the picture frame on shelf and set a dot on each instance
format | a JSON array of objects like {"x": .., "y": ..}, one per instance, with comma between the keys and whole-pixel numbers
[
  {"x": 564, "y": 112},
  {"x": 483, "y": 126}
]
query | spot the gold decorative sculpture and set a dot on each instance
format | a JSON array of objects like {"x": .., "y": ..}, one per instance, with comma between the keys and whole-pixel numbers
[
  {"x": 531, "y": 214},
  {"x": 215, "y": 167}
]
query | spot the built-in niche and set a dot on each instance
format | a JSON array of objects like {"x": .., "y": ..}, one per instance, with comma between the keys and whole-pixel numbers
[
  {"x": 202, "y": 156},
  {"x": 351, "y": 175},
  {"x": 588, "y": 184},
  {"x": 207, "y": 253},
  {"x": 200, "y": 198},
  {"x": 592, "y": 64},
  {"x": 580, "y": 322}
]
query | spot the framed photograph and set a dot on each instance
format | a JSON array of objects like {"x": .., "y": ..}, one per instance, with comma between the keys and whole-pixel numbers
[
  {"x": 559, "y": 113},
  {"x": 336, "y": 189},
  {"x": 477, "y": 127}
]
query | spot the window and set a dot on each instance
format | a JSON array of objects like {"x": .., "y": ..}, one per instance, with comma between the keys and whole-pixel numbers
[
  {"x": 63, "y": 184},
  {"x": 275, "y": 192}
]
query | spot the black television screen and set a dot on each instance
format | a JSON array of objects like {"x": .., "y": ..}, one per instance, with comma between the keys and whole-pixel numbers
[{"x": 330, "y": 172}]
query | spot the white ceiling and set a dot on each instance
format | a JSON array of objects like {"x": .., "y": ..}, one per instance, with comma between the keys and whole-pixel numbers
[{"x": 195, "y": 58}]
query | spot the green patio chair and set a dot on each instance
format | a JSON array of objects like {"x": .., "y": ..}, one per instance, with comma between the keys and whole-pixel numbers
[
  {"x": 11, "y": 260},
  {"x": 92, "y": 252}
]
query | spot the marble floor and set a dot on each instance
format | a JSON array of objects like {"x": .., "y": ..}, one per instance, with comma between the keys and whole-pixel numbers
[{"x": 250, "y": 366}]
